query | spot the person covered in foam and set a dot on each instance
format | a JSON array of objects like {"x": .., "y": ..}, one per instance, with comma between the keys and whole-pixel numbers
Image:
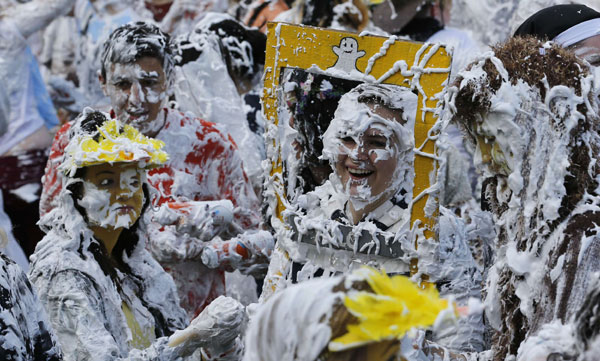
[
  {"x": 530, "y": 113},
  {"x": 105, "y": 295},
  {"x": 365, "y": 315},
  {"x": 370, "y": 146},
  {"x": 25, "y": 334},
  {"x": 220, "y": 50},
  {"x": 137, "y": 74}
]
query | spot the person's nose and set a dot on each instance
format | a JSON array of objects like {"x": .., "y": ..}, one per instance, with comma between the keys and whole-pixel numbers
[
  {"x": 362, "y": 152},
  {"x": 123, "y": 193},
  {"x": 136, "y": 94}
]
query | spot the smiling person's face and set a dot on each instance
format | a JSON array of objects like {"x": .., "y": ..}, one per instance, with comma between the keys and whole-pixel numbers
[
  {"x": 367, "y": 161},
  {"x": 112, "y": 195},
  {"x": 137, "y": 92}
]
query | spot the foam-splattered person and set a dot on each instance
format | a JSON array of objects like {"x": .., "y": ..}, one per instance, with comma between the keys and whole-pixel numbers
[
  {"x": 370, "y": 147},
  {"x": 105, "y": 295},
  {"x": 205, "y": 165},
  {"x": 530, "y": 114},
  {"x": 25, "y": 333},
  {"x": 366, "y": 315}
]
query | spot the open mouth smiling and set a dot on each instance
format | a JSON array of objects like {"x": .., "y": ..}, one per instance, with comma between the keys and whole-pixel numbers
[{"x": 359, "y": 173}]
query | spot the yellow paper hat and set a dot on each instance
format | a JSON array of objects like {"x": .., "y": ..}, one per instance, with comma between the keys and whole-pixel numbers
[
  {"x": 113, "y": 142},
  {"x": 395, "y": 306}
]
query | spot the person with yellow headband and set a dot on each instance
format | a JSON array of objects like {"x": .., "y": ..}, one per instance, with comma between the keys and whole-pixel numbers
[{"x": 105, "y": 295}]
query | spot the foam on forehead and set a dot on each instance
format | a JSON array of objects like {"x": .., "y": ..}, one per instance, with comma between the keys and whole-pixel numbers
[
  {"x": 133, "y": 41},
  {"x": 390, "y": 96},
  {"x": 354, "y": 115}
]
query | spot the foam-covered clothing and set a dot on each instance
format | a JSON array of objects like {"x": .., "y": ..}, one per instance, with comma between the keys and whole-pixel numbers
[
  {"x": 210, "y": 169},
  {"x": 221, "y": 105},
  {"x": 25, "y": 334},
  {"x": 449, "y": 262},
  {"x": 11, "y": 247},
  {"x": 87, "y": 308},
  {"x": 30, "y": 106}
]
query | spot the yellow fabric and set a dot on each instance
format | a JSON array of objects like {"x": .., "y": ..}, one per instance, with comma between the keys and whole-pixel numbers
[
  {"x": 141, "y": 338},
  {"x": 395, "y": 306}
]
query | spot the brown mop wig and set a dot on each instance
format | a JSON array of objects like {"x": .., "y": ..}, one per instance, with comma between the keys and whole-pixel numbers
[
  {"x": 534, "y": 62},
  {"x": 524, "y": 58},
  {"x": 541, "y": 66}
]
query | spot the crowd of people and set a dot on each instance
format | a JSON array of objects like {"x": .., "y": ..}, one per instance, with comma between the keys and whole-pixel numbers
[{"x": 135, "y": 175}]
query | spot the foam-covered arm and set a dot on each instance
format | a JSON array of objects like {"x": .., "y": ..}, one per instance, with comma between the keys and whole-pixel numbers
[
  {"x": 168, "y": 245},
  {"x": 457, "y": 275},
  {"x": 77, "y": 313},
  {"x": 36, "y": 14},
  {"x": 417, "y": 348},
  {"x": 217, "y": 329},
  {"x": 52, "y": 179},
  {"x": 437, "y": 352},
  {"x": 248, "y": 252},
  {"x": 276, "y": 278}
]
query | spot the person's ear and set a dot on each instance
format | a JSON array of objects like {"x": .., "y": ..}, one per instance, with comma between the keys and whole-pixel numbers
[{"x": 102, "y": 83}]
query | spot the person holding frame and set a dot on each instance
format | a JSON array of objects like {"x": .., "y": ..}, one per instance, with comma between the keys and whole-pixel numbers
[{"x": 361, "y": 215}]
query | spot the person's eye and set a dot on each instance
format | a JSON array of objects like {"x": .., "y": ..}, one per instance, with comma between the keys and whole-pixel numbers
[
  {"x": 378, "y": 143},
  {"x": 106, "y": 182},
  {"x": 122, "y": 84},
  {"x": 489, "y": 139},
  {"x": 135, "y": 183},
  {"x": 148, "y": 83}
]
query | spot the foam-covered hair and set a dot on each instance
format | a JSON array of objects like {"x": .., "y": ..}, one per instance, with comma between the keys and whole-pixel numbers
[
  {"x": 398, "y": 99},
  {"x": 133, "y": 41},
  {"x": 97, "y": 139}
]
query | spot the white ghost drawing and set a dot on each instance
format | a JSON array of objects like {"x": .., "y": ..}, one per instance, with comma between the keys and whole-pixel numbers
[{"x": 348, "y": 54}]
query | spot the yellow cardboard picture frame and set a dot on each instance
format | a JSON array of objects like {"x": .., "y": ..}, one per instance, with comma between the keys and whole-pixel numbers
[{"x": 423, "y": 67}]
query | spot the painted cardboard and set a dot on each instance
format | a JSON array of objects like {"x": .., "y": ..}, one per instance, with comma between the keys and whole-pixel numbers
[{"x": 425, "y": 68}]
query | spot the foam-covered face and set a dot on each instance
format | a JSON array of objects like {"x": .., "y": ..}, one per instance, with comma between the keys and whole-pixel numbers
[
  {"x": 368, "y": 157},
  {"x": 112, "y": 195},
  {"x": 137, "y": 92},
  {"x": 367, "y": 163},
  {"x": 589, "y": 49},
  {"x": 499, "y": 137},
  {"x": 489, "y": 155}
]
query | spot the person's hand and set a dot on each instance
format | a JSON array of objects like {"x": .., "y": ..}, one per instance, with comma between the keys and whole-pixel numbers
[
  {"x": 215, "y": 329},
  {"x": 198, "y": 224},
  {"x": 201, "y": 220}
]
